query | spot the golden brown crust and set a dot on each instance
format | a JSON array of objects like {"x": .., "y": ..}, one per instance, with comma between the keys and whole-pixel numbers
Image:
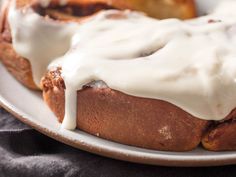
[
  {"x": 161, "y": 9},
  {"x": 141, "y": 122},
  {"x": 221, "y": 137},
  {"x": 19, "y": 67},
  {"x": 147, "y": 123},
  {"x": 110, "y": 114}
]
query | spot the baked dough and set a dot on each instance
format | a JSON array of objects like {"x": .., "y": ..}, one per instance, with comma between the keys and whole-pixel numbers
[{"x": 142, "y": 122}]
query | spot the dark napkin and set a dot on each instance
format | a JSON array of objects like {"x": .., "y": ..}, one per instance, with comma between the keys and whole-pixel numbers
[{"x": 25, "y": 152}]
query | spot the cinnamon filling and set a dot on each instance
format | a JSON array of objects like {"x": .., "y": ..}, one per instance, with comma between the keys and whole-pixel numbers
[{"x": 70, "y": 12}]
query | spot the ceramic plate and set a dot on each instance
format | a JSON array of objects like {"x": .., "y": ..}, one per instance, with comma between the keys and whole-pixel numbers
[{"x": 29, "y": 108}]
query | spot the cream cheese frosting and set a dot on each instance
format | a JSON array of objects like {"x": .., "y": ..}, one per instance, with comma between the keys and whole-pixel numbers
[
  {"x": 190, "y": 64},
  {"x": 45, "y": 3},
  {"x": 38, "y": 39},
  {"x": 187, "y": 63}
]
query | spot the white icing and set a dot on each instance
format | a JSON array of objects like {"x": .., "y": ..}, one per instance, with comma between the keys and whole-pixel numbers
[
  {"x": 188, "y": 63},
  {"x": 192, "y": 63},
  {"x": 45, "y": 3},
  {"x": 205, "y": 7},
  {"x": 1, "y": 3},
  {"x": 38, "y": 39}
]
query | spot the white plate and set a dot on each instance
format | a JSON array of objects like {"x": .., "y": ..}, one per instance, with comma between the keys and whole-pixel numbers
[{"x": 29, "y": 107}]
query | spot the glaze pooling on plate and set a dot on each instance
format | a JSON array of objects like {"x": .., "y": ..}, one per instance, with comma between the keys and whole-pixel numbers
[{"x": 187, "y": 63}]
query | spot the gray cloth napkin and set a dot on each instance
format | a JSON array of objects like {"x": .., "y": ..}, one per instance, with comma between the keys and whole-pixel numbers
[{"x": 26, "y": 153}]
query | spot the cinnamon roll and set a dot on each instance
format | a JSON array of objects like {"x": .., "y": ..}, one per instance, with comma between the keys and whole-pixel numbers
[{"x": 165, "y": 85}]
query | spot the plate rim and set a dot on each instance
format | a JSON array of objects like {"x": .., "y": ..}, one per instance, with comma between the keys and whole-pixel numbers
[
  {"x": 132, "y": 156},
  {"x": 162, "y": 160}
]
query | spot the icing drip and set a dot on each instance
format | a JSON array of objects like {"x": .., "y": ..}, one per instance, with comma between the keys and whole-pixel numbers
[
  {"x": 38, "y": 39},
  {"x": 188, "y": 63}
]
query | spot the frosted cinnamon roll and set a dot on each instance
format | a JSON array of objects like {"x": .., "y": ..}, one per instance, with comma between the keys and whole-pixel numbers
[{"x": 159, "y": 84}]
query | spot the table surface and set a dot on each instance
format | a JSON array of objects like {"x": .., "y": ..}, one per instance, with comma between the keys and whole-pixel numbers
[{"x": 25, "y": 152}]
